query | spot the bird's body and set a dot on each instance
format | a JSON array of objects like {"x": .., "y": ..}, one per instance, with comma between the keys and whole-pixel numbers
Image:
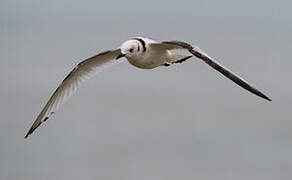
[
  {"x": 146, "y": 56},
  {"x": 141, "y": 52}
]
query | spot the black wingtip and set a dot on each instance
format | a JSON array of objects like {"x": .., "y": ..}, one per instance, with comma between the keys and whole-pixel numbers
[
  {"x": 26, "y": 136},
  {"x": 28, "y": 133},
  {"x": 266, "y": 97},
  {"x": 257, "y": 92},
  {"x": 33, "y": 128}
]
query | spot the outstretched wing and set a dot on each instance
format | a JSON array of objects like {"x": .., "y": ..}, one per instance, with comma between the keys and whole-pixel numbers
[
  {"x": 196, "y": 51},
  {"x": 83, "y": 71}
]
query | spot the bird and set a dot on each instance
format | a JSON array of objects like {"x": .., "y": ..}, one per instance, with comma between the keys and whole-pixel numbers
[{"x": 144, "y": 53}]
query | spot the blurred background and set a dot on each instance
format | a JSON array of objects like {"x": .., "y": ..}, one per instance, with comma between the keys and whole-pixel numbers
[{"x": 185, "y": 121}]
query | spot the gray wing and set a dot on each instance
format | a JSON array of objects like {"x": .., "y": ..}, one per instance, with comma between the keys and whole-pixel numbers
[
  {"x": 72, "y": 81},
  {"x": 196, "y": 51}
]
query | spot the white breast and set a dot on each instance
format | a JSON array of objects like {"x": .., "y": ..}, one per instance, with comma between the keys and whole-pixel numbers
[{"x": 148, "y": 59}]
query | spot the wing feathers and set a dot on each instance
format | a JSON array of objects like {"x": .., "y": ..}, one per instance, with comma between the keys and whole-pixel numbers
[
  {"x": 83, "y": 71},
  {"x": 196, "y": 51}
]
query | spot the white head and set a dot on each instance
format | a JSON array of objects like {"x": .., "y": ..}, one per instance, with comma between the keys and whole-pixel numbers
[{"x": 130, "y": 48}]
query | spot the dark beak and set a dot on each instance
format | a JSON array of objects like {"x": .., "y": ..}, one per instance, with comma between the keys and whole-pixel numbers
[{"x": 120, "y": 56}]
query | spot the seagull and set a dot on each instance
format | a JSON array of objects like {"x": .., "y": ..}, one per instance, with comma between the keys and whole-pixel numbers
[{"x": 141, "y": 52}]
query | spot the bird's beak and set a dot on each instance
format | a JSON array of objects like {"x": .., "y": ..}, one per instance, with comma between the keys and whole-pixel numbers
[{"x": 120, "y": 56}]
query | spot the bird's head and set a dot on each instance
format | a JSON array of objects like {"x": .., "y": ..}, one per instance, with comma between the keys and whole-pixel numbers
[{"x": 129, "y": 49}]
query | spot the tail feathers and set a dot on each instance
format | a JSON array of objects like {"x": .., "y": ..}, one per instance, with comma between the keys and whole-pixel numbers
[
  {"x": 182, "y": 59},
  {"x": 177, "y": 58}
]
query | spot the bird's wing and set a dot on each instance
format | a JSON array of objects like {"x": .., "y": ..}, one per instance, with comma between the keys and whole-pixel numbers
[
  {"x": 196, "y": 51},
  {"x": 83, "y": 71}
]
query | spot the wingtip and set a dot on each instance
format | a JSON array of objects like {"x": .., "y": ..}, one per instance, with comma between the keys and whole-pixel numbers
[
  {"x": 268, "y": 99},
  {"x": 26, "y": 136},
  {"x": 264, "y": 96},
  {"x": 32, "y": 129}
]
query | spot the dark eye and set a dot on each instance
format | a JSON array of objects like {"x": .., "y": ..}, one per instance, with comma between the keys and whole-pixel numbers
[{"x": 131, "y": 50}]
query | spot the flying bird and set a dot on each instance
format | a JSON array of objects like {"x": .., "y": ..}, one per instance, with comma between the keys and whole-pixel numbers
[{"x": 141, "y": 52}]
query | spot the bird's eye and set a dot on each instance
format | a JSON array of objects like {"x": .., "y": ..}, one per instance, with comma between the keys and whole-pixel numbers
[{"x": 131, "y": 50}]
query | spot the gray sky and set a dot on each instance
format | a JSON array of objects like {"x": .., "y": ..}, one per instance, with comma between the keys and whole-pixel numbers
[{"x": 178, "y": 122}]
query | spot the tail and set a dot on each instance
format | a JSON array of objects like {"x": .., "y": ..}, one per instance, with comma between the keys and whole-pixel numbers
[{"x": 173, "y": 57}]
